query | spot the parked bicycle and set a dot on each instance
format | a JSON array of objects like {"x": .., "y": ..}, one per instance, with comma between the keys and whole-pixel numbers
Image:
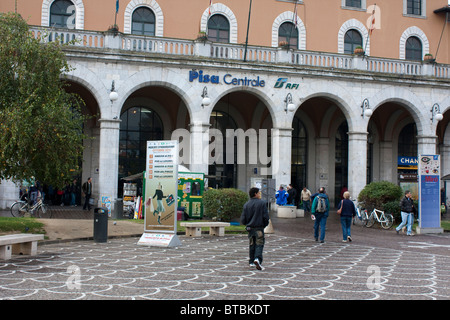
[
  {"x": 21, "y": 208},
  {"x": 358, "y": 219},
  {"x": 385, "y": 219}
]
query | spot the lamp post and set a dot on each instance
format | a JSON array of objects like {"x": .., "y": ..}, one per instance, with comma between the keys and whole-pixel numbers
[
  {"x": 436, "y": 113},
  {"x": 288, "y": 105},
  {"x": 206, "y": 101},
  {"x": 365, "y": 109}
]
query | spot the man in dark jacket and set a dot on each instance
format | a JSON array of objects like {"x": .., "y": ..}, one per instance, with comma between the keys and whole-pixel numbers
[
  {"x": 87, "y": 191},
  {"x": 256, "y": 217},
  {"x": 407, "y": 211}
]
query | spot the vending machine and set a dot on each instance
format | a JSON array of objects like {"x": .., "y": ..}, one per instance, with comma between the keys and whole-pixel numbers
[{"x": 191, "y": 186}]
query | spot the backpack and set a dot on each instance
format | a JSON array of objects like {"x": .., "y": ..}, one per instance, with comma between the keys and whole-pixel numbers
[{"x": 321, "y": 204}]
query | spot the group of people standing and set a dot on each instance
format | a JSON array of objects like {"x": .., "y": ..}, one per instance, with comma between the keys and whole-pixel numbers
[{"x": 289, "y": 197}]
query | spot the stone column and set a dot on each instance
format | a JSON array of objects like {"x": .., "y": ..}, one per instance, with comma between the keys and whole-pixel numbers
[
  {"x": 199, "y": 153},
  {"x": 386, "y": 162},
  {"x": 109, "y": 162},
  {"x": 426, "y": 144},
  {"x": 357, "y": 162},
  {"x": 322, "y": 164},
  {"x": 281, "y": 155}
]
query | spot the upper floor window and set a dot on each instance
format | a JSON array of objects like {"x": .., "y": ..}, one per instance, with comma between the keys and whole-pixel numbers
[
  {"x": 352, "y": 40},
  {"x": 288, "y": 33},
  {"x": 414, "y": 7},
  {"x": 62, "y": 14},
  {"x": 143, "y": 22},
  {"x": 218, "y": 29},
  {"x": 353, "y": 3},
  {"x": 413, "y": 49}
]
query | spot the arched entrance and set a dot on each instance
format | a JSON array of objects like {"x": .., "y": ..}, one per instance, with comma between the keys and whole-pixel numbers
[
  {"x": 243, "y": 122},
  {"x": 150, "y": 113}
]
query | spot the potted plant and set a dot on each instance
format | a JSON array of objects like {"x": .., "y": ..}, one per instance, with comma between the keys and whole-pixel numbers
[
  {"x": 359, "y": 51},
  {"x": 114, "y": 29},
  {"x": 202, "y": 36},
  {"x": 428, "y": 58},
  {"x": 284, "y": 45}
]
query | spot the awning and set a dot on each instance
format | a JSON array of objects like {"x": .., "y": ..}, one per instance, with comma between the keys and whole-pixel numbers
[
  {"x": 446, "y": 178},
  {"x": 444, "y": 9}
]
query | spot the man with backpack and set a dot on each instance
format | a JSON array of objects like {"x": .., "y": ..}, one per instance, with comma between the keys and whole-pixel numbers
[{"x": 320, "y": 208}]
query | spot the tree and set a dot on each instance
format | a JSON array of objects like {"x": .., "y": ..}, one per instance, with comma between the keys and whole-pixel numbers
[{"x": 40, "y": 123}]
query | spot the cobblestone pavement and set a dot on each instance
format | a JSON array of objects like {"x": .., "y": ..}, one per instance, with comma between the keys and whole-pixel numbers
[{"x": 217, "y": 268}]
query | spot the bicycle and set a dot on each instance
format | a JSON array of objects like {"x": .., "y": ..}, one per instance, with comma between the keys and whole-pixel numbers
[
  {"x": 385, "y": 219},
  {"x": 358, "y": 219},
  {"x": 39, "y": 210}
]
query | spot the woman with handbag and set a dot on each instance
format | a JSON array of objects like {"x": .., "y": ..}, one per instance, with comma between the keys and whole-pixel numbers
[{"x": 347, "y": 210}]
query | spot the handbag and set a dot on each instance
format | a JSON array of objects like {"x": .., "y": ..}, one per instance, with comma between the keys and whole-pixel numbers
[{"x": 340, "y": 209}]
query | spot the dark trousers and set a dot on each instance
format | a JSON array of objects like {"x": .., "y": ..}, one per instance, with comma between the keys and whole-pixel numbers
[
  {"x": 256, "y": 244},
  {"x": 86, "y": 202}
]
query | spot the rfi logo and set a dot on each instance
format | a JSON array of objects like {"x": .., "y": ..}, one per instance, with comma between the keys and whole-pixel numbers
[{"x": 281, "y": 81}]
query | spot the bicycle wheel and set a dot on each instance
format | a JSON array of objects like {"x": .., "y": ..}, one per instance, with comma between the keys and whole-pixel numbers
[
  {"x": 18, "y": 209},
  {"x": 388, "y": 221},
  {"x": 44, "y": 211},
  {"x": 370, "y": 221}
]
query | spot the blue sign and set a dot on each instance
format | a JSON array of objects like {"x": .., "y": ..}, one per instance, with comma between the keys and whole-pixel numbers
[
  {"x": 199, "y": 76},
  {"x": 429, "y": 194},
  {"x": 407, "y": 161}
]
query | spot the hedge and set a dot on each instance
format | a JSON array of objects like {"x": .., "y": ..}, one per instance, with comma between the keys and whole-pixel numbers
[
  {"x": 381, "y": 195},
  {"x": 224, "y": 204}
]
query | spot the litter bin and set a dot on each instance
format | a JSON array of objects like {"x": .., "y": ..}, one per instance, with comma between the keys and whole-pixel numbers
[{"x": 100, "y": 224}]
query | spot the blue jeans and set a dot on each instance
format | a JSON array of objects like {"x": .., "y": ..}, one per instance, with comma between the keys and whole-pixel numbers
[
  {"x": 320, "y": 223},
  {"x": 307, "y": 205},
  {"x": 408, "y": 220},
  {"x": 256, "y": 244},
  {"x": 346, "y": 223}
]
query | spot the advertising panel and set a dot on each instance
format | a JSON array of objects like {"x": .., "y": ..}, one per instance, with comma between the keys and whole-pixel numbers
[
  {"x": 160, "y": 193},
  {"x": 429, "y": 194}
]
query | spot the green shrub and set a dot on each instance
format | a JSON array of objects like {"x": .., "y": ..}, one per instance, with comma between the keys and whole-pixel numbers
[
  {"x": 224, "y": 204},
  {"x": 380, "y": 194}
]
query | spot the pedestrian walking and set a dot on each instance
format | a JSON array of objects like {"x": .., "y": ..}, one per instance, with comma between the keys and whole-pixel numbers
[
  {"x": 347, "y": 210},
  {"x": 255, "y": 216},
  {"x": 320, "y": 208},
  {"x": 73, "y": 193},
  {"x": 87, "y": 191},
  {"x": 407, "y": 211},
  {"x": 306, "y": 199}
]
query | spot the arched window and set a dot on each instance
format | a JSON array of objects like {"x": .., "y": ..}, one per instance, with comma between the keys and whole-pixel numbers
[
  {"x": 62, "y": 14},
  {"x": 352, "y": 39},
  {"x": 138, "y": 125},
  {"x": 223, "y": 175},
  {"x": 218, "y": 29},
  {"x": 407, "y": 141},
  {"x": 299, "y": 154},
  {"x": 143, "y": 22},
  {"x": 288, "y": 33},
  {"x": 413, "y": 49}
]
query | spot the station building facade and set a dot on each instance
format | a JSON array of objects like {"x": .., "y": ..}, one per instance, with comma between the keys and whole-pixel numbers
[{"x": 280, "y": 95}]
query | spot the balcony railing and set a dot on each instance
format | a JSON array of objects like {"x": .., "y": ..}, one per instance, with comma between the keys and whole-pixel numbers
[{"x": 200, "y": 48}]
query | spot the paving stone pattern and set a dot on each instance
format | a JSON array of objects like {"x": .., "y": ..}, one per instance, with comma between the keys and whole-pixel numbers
[{"x": 217, "y": 268}]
